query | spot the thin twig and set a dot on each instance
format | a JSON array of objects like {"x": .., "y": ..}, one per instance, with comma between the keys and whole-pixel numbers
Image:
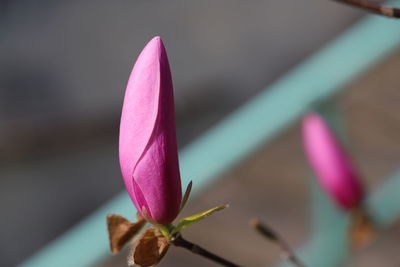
[
  {"x": 375, "y": 7},
  {"x": 275, "y": 237},
  {"x": 179, "y": 241}
]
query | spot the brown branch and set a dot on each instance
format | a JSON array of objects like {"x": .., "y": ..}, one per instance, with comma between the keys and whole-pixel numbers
[
  {"x": 374, "y": 7},
  {"x": 275, "y": 237},
  {"x": 179, "y": 241}
]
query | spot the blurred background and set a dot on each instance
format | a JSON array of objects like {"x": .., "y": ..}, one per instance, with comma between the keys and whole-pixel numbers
[{"x": 63, "y": 71}]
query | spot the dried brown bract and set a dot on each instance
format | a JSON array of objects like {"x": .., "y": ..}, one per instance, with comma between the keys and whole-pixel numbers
[
  {"x": 150, "y": 249},
  {"x": 121, "y": 231}
]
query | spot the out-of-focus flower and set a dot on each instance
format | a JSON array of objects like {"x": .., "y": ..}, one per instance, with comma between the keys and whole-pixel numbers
[
  {"x": 147, "y": 142},
  {"x": 330, "y": 163}
]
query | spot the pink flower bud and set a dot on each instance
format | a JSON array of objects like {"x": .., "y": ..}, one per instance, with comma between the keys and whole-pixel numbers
[
  {"x": 330, "y": 163},
  {"x": 147, "y": 141}
]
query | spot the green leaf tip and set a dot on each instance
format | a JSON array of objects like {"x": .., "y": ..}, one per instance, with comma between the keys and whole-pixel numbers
[
  {"x": 185, "y": 222},
  {"x": 186, "y": 195}
]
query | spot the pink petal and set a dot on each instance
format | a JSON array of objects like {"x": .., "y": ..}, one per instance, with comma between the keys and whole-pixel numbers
[
  {"x": 330, "y": 163},
  {"x": 147, "y": 148}
]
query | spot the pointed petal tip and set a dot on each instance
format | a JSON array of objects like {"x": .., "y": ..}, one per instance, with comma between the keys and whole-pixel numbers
[
  {"x": 311, "y": 117},
  {"x": 312, "y": 125},
  {"x": 156, "y": 43},
  {"x": 156, "y": 39}
]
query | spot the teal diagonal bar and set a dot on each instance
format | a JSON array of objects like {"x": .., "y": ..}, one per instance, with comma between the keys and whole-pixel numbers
[
  {"x": 255, "y": 123},
  {"x": 384, "y": 204}
]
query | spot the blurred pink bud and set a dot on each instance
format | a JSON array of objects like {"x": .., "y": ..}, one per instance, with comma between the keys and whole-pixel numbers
[
  {"x": 147, "y": 141},
  {"x": 330, "y": 163}
]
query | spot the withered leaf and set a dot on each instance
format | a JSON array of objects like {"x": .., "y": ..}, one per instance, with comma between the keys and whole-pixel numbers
[
  {"x": 120, "y": 231},
  {"x": 151, "y": 248},
  {"x": 362, "y": 230},
  {"x": 362, "y": 234}
]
